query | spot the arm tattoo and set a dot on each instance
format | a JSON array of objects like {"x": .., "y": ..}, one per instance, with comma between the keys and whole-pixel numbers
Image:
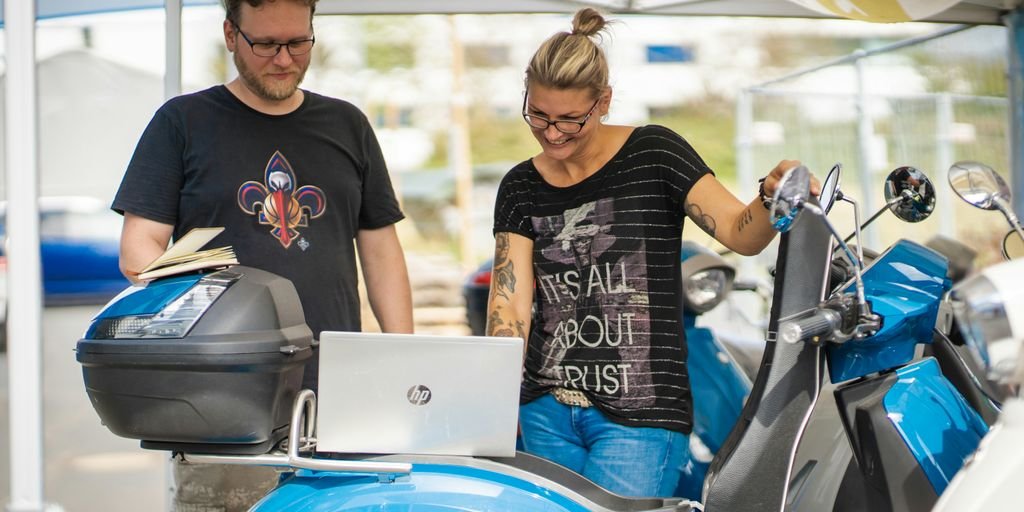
[
  {"x": 504, "y": 278},
  {"x": 703, "y": 220},
  {"x": 500, "y": 249},
  {"x": 495, "y": 326},
  {"x": 746, "y": 218}
]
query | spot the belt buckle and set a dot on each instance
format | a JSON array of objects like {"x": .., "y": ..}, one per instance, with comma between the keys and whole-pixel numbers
[{"x": 571, "y": 397}]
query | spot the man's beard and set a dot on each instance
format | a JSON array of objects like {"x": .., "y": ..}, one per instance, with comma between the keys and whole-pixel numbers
[{"x": 259, "y": 85}]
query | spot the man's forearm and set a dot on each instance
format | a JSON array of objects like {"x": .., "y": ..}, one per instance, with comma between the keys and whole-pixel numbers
[
  {"x": 142, "y": 241},
  {"x": 387, "y": 279},
  {"x": 390, "y": 299}
]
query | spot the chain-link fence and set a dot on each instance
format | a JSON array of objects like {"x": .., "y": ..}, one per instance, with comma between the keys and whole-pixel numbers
[{"x": 926, "y": 102}]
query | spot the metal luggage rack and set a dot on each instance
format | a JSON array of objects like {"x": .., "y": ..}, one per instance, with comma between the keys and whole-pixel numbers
[{"x": 303, "y": 429}]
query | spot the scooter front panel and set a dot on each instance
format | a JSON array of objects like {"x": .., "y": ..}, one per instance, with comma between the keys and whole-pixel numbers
[
  {"x": 754, "y": 466},
  {"x": 891, "y": 475},
  {"x": 935, "y": 421}
]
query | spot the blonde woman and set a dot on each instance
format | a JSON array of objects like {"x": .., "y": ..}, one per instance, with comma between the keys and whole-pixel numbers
[{"x": 586, "y": 270}]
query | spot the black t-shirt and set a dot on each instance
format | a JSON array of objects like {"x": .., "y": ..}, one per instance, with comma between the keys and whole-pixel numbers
[
  {"x": 291, "y": 190},
  {"x": 608, "y": 315}
]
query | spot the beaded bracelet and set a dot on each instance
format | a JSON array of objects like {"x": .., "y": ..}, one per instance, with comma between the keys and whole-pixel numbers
[{"x": 765, "y": 200}]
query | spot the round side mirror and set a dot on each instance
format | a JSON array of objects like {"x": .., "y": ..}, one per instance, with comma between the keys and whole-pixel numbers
[
  {"x": 789, "y": 198},
  {"x": 909, "y": 194},
  {"x": 978, "y": 184},
  {"x": 830, "y": 188},
  {"x": 1013, "y": 245}
]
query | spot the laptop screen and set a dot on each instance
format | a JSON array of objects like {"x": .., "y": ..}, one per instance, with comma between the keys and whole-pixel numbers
[{"x": 418, "y": 394}]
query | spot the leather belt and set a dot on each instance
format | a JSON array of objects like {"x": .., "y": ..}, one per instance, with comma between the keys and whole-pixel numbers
[{"x": 571, "y": 397}]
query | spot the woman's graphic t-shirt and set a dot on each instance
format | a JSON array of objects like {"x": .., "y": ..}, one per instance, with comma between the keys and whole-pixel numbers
[{"x": 608, "y": 316}]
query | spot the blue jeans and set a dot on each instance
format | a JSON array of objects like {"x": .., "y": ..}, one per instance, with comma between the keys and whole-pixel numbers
[{"x": 629, "y": 461}]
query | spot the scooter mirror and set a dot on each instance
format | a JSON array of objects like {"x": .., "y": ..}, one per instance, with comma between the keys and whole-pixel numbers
[
  {"x": 1013, "y": 245},
  {"x": 830, "y": 188},
  {"x": 910, "y": 194},
  {"x": 789, "y": 198},
  {"x": 978, "y": 184}
]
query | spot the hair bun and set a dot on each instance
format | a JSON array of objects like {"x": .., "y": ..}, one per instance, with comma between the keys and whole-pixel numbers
[{"x": 587, "y": 22}]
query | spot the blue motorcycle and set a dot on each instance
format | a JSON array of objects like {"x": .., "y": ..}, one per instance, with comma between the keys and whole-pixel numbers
[{"x": 169, "y": 364}]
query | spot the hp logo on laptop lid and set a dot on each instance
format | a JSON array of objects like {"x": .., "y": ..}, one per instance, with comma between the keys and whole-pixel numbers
[{"x": 418, "y": 395}]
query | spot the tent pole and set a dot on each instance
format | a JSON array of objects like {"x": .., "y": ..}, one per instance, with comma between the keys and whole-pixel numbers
[
  {"x": 944, "y": 151},
  {"x": 172, "y": 88},
  {"x": 172, "y": 49},
  {"x": 460, "y": 148},
  {"x": 1015, "y": 74},
  {"x": 24, "y": 276},
  {"x": 865, "y": 135}
]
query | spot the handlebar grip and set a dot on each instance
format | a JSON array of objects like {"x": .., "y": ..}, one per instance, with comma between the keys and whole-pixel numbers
[{"x": 821, "y": 322}]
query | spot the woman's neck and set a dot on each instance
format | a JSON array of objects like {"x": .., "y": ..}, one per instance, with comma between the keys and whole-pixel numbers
[{"x": 600, "y": 149}]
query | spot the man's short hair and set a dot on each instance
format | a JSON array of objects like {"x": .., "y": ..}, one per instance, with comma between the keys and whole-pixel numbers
[{"x": 231, "y": 7}]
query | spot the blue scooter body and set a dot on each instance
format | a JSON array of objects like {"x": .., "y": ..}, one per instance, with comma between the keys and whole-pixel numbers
[
  {"x": 719, "y": 388},
  {"x": 428, "y": 488},
  {"x": 904, "y": 285},
  {"x": 940, "y": 429},
  {"x": 910, "y": 428}
]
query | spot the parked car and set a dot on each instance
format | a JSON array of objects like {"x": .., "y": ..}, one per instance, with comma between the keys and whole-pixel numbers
[
  {"x": 79, "y": 238},
  {"x": 475, "y": 290}
]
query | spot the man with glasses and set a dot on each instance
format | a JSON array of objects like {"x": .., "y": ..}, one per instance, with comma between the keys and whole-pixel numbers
[{"x": 299, "y": 183}]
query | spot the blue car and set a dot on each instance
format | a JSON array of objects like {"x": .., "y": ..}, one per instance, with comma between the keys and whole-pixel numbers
[{"x": 79, "y": 238}]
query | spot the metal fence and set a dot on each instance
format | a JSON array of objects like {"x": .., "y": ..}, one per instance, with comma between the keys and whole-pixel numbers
[{"x": 926, "y": 102}]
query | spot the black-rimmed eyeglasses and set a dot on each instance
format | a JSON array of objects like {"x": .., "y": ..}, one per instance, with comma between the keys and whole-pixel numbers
[
  {"x": 271, "y": 49},
  {"x": 566, "y": 126}
]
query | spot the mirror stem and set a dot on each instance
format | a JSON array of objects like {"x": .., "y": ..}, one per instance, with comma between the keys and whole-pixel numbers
[
  {"x": 861, "y": 300},
  {"x": 856, "y": 259},
  {"x": 892, "y": 202},
  {"x": 1010, "y": 216}
]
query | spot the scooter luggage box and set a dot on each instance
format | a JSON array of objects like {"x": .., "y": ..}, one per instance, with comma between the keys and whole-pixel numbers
[{"x": 202, "y": 363}]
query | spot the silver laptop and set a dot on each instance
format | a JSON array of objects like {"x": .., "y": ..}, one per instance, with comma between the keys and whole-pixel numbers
[{"x": 422, "y": 394}]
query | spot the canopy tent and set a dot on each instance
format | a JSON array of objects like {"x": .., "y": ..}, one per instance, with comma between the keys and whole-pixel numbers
[
  {"x": 973, "y": 11},
  {"x": 18, "y": 18}
]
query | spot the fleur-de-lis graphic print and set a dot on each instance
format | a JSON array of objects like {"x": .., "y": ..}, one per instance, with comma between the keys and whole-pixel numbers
[{"x": 281, "y": 205}]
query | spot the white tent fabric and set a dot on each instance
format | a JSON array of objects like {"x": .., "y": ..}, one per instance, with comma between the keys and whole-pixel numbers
[
  {"x": 972, "y": 11},
  {"x": 58, "y": 8}
]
